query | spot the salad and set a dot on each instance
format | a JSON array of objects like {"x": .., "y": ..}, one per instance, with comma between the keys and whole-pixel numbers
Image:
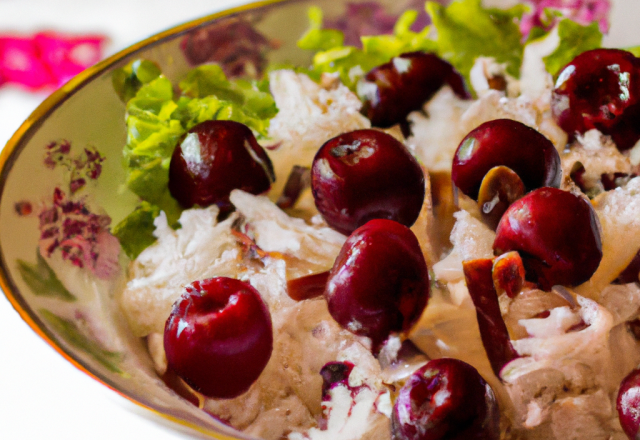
[{"x": 432, "y": 233}]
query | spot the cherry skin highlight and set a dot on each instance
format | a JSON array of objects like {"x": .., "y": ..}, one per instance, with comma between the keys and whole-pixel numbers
[
  {"x": 364, "y": 175},
  {"x": 556, "y": 234},
  {"x": 379, "y": 283},
  {"x": 509, "y": 143},
  {"x": 214, "y": 158},
  {"x": 628, "y": 404},
  {"x": 393, "y": 90},
  {"x": 600, "y": 89},
  {"x": 447, "y": 399},
  {"x": 219, "y": 336}
]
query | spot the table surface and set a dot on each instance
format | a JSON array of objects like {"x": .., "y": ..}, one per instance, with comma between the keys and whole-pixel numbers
[{"x": 42, "y": 396}]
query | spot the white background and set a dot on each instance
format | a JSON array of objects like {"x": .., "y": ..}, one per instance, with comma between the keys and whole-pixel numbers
[{"x": 42, "y": 396}]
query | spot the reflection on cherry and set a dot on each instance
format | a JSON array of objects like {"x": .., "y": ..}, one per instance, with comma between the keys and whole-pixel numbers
[{"x": 631, "y": 274}]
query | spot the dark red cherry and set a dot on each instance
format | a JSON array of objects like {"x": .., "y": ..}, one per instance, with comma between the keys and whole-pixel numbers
[
  {"x": 600, "y": 89},
  {"x": 214, "y": 158},
  {"x": 219, "y": 336},
  {"x": 615, "y": 180},
  {"x": 509, "y": 143},
  {"x": 556, "y": 234},
  {"x": 628, "y": 404},
  {"x": 379, "y": 283},
  {"x": 609, "y": 181},
  {"x": 363, "y": 175},
  {"x": 577, "y": 175},
  {"x": 447, "y": 399},
  {"x": 631, "y": 274},
  {"x": 634, "y": 327},
  {"x": 393, "y": 90}
]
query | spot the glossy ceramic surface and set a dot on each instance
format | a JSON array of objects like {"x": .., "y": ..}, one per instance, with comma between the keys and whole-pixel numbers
[{"x": 62, "y": 189}]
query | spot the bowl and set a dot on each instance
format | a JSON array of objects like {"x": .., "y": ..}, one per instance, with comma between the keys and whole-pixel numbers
[
  {"x": 62, "y": 169},
  {"x": 70, "y": 306}
]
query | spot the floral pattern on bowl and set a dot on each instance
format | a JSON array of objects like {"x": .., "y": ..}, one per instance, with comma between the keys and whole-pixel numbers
[{"x": 81, "y": 237}]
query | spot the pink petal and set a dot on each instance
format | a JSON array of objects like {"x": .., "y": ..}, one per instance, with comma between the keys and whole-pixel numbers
[
  {"x": 20, "y": 63},
  {"x": 47, "y": 59},
  {"x": 108, "y": 249},
  {"x": 582, "y": 11},
  {"x": 67, "y": 56}
]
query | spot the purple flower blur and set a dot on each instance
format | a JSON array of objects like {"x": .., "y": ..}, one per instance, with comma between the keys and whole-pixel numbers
[
  {"x": 582, "y": 11},
  {"x": 370, "y": 18},
  {"x": 67, "y": 224}
]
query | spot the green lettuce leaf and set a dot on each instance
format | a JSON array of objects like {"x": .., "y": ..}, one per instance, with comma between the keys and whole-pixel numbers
[
  {"x": 574, "y": 39},
  {"x": 331, "y": 56},
  {"x": 403, "y": 39},
  {"x": 157, "y": 119},
  {"x": 307, "y": 70},
  {"x": 127, "y": 80},
  {"x": 316, "y": 38},
  {"x": 460, "y": 33},
  {"x": 465, "y": 30},
  {"x": 152, "y": 135},
  {"x": 350, "y": 62},
  {"x": 634, "y": 50},
  {"x": 194, "y": 111},
  {"x": 209, "y": 79}
]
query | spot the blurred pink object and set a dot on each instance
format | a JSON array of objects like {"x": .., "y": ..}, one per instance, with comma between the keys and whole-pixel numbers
[
  {"x": 582, "y": 11},
  {"x": 47, "y": 59}
]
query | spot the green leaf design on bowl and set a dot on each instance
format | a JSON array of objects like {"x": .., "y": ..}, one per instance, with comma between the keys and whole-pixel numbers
[
  {"x": 72, "y": 334},
  {"x": 135, "y": 232},
  {"x": 42, "y": 279}
]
